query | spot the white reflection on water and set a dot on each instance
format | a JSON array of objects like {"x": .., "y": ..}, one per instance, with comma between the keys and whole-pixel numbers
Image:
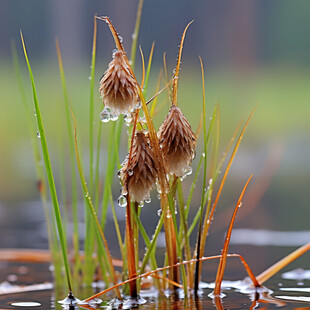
[{"x": 263, "y": 237}]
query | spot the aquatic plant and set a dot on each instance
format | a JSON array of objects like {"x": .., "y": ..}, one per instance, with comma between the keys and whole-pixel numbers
[{"x": 156, "y": 159}]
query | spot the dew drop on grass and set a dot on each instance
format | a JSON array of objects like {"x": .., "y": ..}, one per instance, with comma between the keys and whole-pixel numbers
[
  {"x": 38, "y": 134},
  {"x": 130, "y": 172},
  {"x": 168, "y": 214},
  {"x": 122, "y": 201},
  {"x": 89, "y": 77},
  {"x": 105, "y": 115},
  {"x": 148, "y": 200},
  {"x": 35, "y": 113},
  {"x": 159, "y": 212},
  {"x": 120, "y": 39},
  {"x": 203, "y": 154}
]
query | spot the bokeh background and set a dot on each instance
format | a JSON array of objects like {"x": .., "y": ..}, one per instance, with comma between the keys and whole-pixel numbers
[{"x": 253, "y": 51}]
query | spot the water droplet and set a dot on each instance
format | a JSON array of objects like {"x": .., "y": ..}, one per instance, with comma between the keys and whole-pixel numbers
[
  {"x": 203, "y": 154},
  {"x": 127, "y": 119},
  {"x": 120, "y": 39},
  {"x": 35, "y": 113},
  {"x": 159, "y": 212},
  {"x": 119, "y": 173},
  {"x": 188, "y": 170},
  {"x": 124, "y": 191},
  {"x": 158, "y": 187},
  {"x": 168, "y": 214},
  {"x": 142, "y": 119},
  {"x": 141, "y": 204},
  {"x": 210, "y": 181},
  {"x": 130, "y": 172},
  {"x": 148, "y": 200},
  {"x": 139, "y": 105},
  {"x": 122, "y": 201},
  {"x": 105, "y": 115},
  {"x": 38, "y": 134},
  {"x": 114, "y": 52},
  {"x": 89, "y": 77},
  {"x": 114, "y": 117}
]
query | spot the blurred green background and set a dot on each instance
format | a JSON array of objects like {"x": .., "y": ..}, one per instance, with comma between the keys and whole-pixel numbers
[{"x": 253, "y": 51}]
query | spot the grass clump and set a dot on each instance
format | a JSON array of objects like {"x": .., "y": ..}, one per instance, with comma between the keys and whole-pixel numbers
[{"x": 160, "y": 159}]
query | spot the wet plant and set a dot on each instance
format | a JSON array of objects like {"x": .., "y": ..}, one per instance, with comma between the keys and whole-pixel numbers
[{"x": 158, "y": 159}]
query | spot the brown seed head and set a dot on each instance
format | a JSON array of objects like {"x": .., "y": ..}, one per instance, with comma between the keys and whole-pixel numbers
[
  {"x": 140, "y": 175},
  {"x": 177, "y": 141},
  {"x": 118, "y": 88}
]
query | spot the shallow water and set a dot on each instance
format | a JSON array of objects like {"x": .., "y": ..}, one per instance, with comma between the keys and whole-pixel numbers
[
  {"x": 260, "y": 248},
  {"x": 290, "y": 290}
]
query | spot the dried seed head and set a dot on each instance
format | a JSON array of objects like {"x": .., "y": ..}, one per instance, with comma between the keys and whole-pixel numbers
[
  {"x": 118, "y": 88},
  {"x": 177, "y": 142},
  {"x": 140, "y": 175}
]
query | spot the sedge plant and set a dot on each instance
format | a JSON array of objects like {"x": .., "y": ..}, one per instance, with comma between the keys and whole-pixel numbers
[{"x": 156, "y": 158}]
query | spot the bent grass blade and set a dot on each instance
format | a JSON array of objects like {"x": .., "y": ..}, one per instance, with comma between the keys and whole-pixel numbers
[{"x": 222, "y": 264}]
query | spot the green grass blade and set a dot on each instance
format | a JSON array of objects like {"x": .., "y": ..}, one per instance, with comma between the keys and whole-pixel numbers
[
  {"x": 205, "y": 137},
  {"x": 93, "y": 212},
  {"x": 135, "y": 35},
  {"x": 118, "y": 232},
  {"x": 148, "y": 70},
  {"x": 91, "y": 108},
  {"x": 72, "y": 161},
  {"x": 50, "y": 223},
  {"x": 49, "y": 171},
  {"x": 114, "y": 142}
]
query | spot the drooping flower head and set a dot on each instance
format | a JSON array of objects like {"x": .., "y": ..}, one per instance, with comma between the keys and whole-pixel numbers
[
  {"x": 177, "y": 142},
  {"x": 140, "y": 175},
  {"x": 118, "y": 88}
]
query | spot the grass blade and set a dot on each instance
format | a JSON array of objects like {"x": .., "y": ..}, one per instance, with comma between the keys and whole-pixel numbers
[
  {"x": 222, "y": 264},
  {"x": 209, "y": 217},
  {"x": 72, "y": 161},
  {"x": 92, "y": 209},
  {"x": 148, "y": 70},
  {"x": 91, "y": 107},
  {"x": 267, "y": 274},
  {"x": 49, "y": 171},
  {"x": 136, "y": 34},
  {"x": 198, "y": 265},
  {"x": 177, "y": 68}
]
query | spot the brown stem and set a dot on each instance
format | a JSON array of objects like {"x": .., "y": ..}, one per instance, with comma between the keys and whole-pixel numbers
[{"x": 130, "y": 251}]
